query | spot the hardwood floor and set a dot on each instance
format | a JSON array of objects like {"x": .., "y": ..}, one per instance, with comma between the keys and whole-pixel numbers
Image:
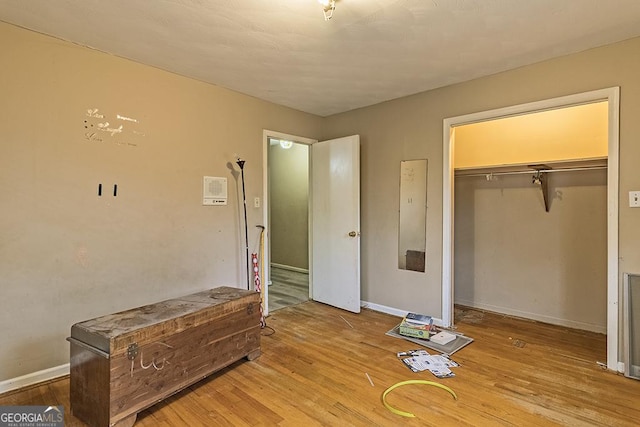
[
  {"x": 313, "y": 372},
  {"x": 287, "y": 288}
]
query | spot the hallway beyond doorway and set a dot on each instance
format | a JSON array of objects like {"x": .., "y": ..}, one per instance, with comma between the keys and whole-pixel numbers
[{"x": 287, "y": 288}]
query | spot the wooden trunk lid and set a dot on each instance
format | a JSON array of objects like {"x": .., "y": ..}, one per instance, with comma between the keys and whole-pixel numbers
[{"x": 113, "y": 333}]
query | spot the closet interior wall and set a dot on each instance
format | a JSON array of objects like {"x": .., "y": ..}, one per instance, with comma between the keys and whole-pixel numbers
[{"x": 513, "y": 257}]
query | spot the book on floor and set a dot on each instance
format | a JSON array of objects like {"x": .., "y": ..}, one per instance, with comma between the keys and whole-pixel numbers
[
  {"x": 419, "y": 319},
  {"x": 414, "y": 330}
]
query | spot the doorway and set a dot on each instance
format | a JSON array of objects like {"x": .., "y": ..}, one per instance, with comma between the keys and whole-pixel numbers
[
  {"x": 610, "y": 95},
  {"x": 286, "y": 273},
  {"x": 288, "y": 169}
]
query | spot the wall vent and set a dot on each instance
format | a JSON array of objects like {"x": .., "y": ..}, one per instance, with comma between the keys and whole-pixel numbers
[{"x": 632, "y": 325}]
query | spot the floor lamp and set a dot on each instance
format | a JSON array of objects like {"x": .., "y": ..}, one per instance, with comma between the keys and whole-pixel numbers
[{"x": 240, "y": 163}]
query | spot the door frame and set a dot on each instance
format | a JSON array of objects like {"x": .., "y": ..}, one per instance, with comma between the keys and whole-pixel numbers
[
  {"x": 266, "y": 258},
  {"x": 612, "y": 95}
]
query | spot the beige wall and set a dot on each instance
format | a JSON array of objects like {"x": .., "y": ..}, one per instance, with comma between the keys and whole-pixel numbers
[
  {"x": 513, "y": 257},
  {"x": 289, "y": 201},
  {"x": 404, "y": 129},
  {"x": 411, "y": 127},
  {"x": 67, "y": 255}
]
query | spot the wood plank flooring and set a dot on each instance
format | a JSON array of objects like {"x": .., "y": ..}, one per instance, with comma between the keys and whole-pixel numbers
[
  {"x": 313, "y": 369},
  {"x": 287, "y": 288}
]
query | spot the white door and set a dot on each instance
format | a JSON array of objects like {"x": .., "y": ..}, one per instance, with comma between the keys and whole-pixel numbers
[{"x": 335, "y": 219}]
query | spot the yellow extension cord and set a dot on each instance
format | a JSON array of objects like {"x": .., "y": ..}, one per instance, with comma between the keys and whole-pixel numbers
[{"x": 409, "y": 414}]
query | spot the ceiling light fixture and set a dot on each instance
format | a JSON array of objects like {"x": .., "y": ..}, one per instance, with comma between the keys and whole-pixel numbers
[
  {"x": 328, "y": 6},
  {"x": 286, "y": 144}
]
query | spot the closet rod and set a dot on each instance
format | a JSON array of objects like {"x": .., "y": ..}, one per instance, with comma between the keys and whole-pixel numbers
[{"x": 528, "y": 172}]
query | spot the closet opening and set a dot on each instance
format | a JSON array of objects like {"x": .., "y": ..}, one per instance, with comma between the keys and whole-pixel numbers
[{"x": 530, "y": 212}]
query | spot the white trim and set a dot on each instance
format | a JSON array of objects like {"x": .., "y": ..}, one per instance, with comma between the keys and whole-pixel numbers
[
  {"x": 613, "y": 178},
  {"x": 535, "y": 316},
  {"x": 612, "y": 95},
  {"x": 266, "y": 258},
  {"x": 392, "y": 311},
  {"x": 265, "y": 220},
  {"x": 34, "y": 378},
  {"x": 383, "y": 309},
  {"x": 290, "y": 268},
  {"x": 447, "y": 227}
]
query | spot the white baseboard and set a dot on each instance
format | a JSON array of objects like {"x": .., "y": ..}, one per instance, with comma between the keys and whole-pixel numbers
[
  {"x": 392, "y": 311},
  {"x": 383, "y": 309},
  {"x": 34, "y": 378},
  {"x": 535, "y": 316},
  {"x": 290, "y": 268}
]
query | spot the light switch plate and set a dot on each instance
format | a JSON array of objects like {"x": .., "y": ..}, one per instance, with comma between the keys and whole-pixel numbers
[{"x": 634, "y": 199}]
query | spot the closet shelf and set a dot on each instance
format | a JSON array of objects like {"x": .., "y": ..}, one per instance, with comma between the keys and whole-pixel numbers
[
  {"x": 539, "y": 171},
  {"x": 553, "y": 166}
]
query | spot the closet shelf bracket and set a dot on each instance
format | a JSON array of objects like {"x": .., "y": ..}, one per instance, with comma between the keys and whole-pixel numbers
[{"x": 541, "y": 177}]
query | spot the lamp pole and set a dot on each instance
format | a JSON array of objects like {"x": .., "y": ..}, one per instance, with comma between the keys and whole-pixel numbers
[{"x": 240, "y": 163}]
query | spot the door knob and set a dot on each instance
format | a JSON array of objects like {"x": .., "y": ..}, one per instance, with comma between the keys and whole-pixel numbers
[{"x": 352, "y": 234}]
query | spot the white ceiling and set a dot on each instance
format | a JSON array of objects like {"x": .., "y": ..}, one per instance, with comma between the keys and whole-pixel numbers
[{"x": 284, "y": 51}]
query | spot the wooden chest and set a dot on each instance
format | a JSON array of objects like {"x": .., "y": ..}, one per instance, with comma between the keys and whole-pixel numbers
[{"x": 125, "y": 362}]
